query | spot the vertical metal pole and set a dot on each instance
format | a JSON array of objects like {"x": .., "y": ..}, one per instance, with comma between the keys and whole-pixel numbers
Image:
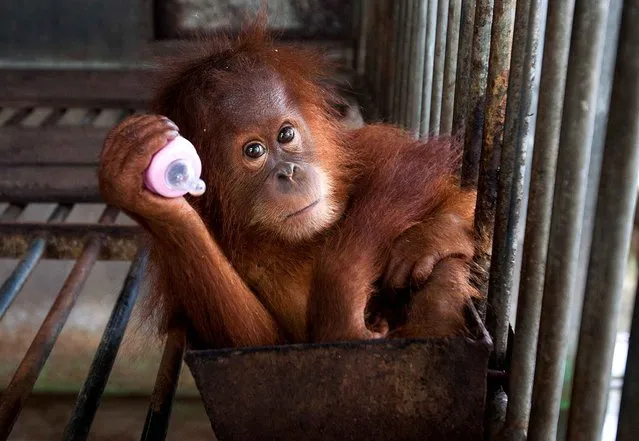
[
  {"x": 438, "y": 70},
  {"x": 489, "y": 175},
  {"x": 611, "y": 240},
  {"x": 363, "y": 8},
  {"x": 88, "y": 400},
  {"x": 158, "y": 416},
  {"x": 596, "y": 152},
  {"x": 464, "y": 55},
  {"x": 450, "y": 67},
  {"x": 377, "y": 49},
  {"x": 477, "y": 95},
  {"x": 628, "y": 425},
  {"x": 547, "y": 131},
  {"x": 511, "y": 173},
  {"x": 420, "y": 10},
  {"x": 369, "y": 56},
  {"x": 399, "y": 62},
  {"x": 393, "y": 63},
  {"x": 409, "y": 44},
  {"x": 429, "y": 59},
  {"x": 568, "y": 204}
]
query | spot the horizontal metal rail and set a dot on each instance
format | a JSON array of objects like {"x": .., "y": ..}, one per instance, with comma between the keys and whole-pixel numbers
[
  {"x": 12, "y": 286},
  {"x": 65, "y": 241}
]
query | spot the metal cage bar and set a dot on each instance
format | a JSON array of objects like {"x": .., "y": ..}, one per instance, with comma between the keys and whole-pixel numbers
[
  {"x": 567, "y": 213},
  {"x": 464, "y": 55},
  {"x": 27, "y": 373},
  {"x": 628, "y": 425},
  {"x": 474, "y": 115},
  {"x": 89, "y": 397},
  {"x": 438, "y": 70},
  {"x": 489, "y": 167},
  {"x": 613, "y": 224},
  {"x": 547, "y": 130},
  {"x": 418, "y": 31},
  {"x": 450, "y": 66},
  {"x": 14, "y": 283},
  {"x": 157, "y": 417},
  {"x": 429, "y": 60}
]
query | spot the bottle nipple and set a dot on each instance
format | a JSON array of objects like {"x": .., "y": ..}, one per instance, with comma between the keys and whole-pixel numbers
[
  {"x": 181, "y": 177},
  {"x": 175, "y": 170}
]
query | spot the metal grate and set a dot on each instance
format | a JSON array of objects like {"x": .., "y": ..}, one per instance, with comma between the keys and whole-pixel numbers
[{"x": 49, "y": 146}]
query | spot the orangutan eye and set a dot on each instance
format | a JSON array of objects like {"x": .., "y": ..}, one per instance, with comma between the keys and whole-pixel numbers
[
  {"x": 254, "y": 150},
  {"x": 286, "y": 135}
]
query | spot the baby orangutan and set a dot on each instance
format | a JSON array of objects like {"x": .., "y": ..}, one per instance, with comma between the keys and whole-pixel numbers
[{"x": 308, "y": 231}]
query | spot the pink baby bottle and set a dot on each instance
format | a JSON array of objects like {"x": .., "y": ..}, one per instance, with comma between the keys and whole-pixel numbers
[{"x": 175, "y": 170}]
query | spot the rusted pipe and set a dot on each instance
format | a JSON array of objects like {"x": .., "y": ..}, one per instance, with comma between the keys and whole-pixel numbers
[
  {"x": 159, "y": 413},
  {"x": 14, "y": 283},
  {"x": 544, "y": 160},
  {"x": 21, "y": 384},
  {"x": 489, "y": 173},
  {"x": 420, "y": 14},
  {"x": 450, "y": 66},
  {"x": 89, "y": 397},
  {"x": 611, "y": 240},
  {"x": 429, "y": 59},
  {"x": 464, "y": 53},
  {"x": 438, "y": 70},
  {"x": 567, "y": 213},
  {"x": 477, "y": 92}
]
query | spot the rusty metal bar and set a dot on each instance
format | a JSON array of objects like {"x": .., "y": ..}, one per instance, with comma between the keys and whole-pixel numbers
[
  {"x": 66, "y": 241},
  {"x": 450, "y": 66},
  {"x": 397, "y": 77},
  {"x": 395, "y": 92},
  {"x": 438, "y": 70},
  {"x": 464, "y": 55},
  {"x": 429, "y": 60},
  {"x": 371, "y": 54},
  {"x": 384, "y": 66},
  {"x": 511, "y": 170},
  {"x": 547, "y": 130},
  {"x": 89, "y": 397},
  {"x": 13, "y": 285},
  {"x": 159, "y": 413},
  {"x": 378, "y": 54},
  {"x": 492, "y": 118},
  {"x": 474, "y": 125},
  {"x": 596, "y": 152},
  {"x": 611, "y": 239},
  {"x": 405, "y": 54},
  {"x": 420, "y": 11},
  {"x": 392, "y": 63},
  {"x": 363, "y": 30},
  {"x": 369, "y": 59},
  {"x": 12, "y": 212},
  {"x": 27, "y": 373},
  {"x": 628, "y": 423},
  {"x": 567, "y": 213}
]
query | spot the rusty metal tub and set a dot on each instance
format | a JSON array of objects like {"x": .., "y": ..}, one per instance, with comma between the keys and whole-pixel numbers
[{"x": 430, "y": 389}]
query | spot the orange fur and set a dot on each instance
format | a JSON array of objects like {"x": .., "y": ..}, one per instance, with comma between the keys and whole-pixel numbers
[{"x": 233, "y": 268}]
